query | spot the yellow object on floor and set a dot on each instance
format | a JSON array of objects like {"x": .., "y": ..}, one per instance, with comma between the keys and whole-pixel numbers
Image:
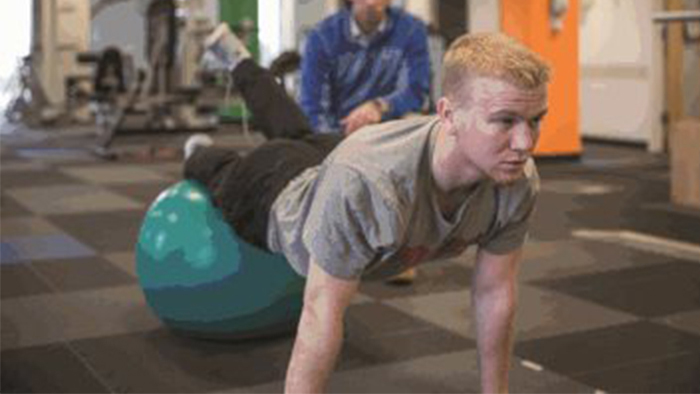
[{"x": 405, "y": 278}]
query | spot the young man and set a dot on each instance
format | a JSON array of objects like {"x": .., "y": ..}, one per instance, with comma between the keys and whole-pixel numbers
[
  {"x": 391, "y": 196},
  {"x": 366, "y": 63}
]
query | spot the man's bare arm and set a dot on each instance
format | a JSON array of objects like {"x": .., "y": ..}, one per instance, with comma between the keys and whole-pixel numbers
[
  {"x": 320, "y": 332},
  {"x": 494, "y": 295}
]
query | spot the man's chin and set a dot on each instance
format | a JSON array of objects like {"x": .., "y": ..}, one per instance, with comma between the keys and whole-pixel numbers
[{"x": 505, "y": 178}]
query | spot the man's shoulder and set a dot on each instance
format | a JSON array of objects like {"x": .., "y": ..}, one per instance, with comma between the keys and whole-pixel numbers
[
  {"x": 392, "y": 147},
  {"x": 333, "y": 22},
  {"x": 406, "y": 20},
  {"x": 330, "y": 30},
  {"x": 405, "y": 16}
]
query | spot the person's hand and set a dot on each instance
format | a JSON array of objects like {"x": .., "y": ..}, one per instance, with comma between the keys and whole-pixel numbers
[{"x": 366, "y": 114}]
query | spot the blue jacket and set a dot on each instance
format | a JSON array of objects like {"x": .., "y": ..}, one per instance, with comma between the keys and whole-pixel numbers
[{"x": 339, "y": 72}]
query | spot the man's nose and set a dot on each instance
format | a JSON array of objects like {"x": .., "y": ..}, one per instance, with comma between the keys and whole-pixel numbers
[
  {"x": 377, "y": 5},
  {"x": 523, "y": 138}
]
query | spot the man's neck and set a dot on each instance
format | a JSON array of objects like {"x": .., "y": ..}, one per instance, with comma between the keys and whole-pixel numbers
[
  {"x": 452, "y": 181},
  {"x": 368, "y": 29},
  {"x": 448, "y": 167}
]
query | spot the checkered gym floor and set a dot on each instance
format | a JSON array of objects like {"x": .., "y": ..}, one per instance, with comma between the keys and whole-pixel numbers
[{"x": 609, "y": 296}]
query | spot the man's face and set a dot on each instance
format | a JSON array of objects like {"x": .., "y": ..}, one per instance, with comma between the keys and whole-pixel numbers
[
  {"x": 497, "y": 130},
  {"x": 369, "y": 13}
]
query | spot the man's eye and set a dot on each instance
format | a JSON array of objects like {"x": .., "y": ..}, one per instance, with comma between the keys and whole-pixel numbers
[
  {"x": 535, "y": 123},
  {"x": 507, "y": 122}
]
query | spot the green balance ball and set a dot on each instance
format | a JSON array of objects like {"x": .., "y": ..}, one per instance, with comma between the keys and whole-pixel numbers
[{"x": 201, "y": 279}]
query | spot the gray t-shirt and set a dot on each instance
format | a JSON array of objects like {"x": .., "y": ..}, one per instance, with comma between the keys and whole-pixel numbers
[{"x": 370, "y": 209}]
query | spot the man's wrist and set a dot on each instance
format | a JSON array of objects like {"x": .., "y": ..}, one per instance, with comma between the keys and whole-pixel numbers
[{"x": 382, "y": 105}]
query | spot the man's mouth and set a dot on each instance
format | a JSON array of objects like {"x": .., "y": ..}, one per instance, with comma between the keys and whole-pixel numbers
[{"x": 514, "y": 164}]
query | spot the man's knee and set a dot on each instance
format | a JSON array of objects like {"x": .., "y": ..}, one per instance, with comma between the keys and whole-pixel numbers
[{"x": 208, "y": 163}]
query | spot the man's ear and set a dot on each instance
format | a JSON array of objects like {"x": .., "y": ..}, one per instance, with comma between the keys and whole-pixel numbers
[{"x": 446, "y": 112}]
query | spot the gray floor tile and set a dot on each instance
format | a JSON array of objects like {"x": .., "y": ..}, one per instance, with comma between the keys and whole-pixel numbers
[
  {"x": 82, "y": 274},
  {"x": 544, "y": 313},
  {"x": 558, "y": 259},
  {"x": 26, "y": 226},
  {"x": 47, "y": 369},
  {"x": 376, "y": 319},
  {"x": 606, "y": 348},
  {"x": 71, "y": 199},
  {"x": 656, "y": 290},
  {"x": 450, "y": 310},
  {"x": 105, "y": 232},
  {"x": 44, "y": 247},
  {"x": 116, "y": 174},
  {"x": 540, "y": 313},
  {"x": 686, "y": 321},
  {"x": 56, "y": 317}
]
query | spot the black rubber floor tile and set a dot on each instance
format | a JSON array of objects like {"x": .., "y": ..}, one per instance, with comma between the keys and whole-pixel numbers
[
  {"x": 648, "y": 291},
  {"x": 82, "y": 273},
  {"x": 431, "y": 278},
  {"x": 384, "y": 334},
  {"x": 106, "y": 232},
  {"x": 11, "y": 208},
  {"x": 163, "y": 362},
  {"x": 144, "y": 192},
  {"x": 674, "y": 374},
  {"x": 33, "y": 178},
  {"x": 672, "y": 225},
  {"x": 18, "y": 280},
  {"x": 403, "y": 346},
  {"x": 46, "y": 369},
  {"x": 607, "y": 348},
  {"x": 377, "y": 319}
]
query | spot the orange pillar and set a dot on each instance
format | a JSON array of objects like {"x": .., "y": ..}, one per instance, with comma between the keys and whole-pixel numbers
[{"x": 528, "y": 21}]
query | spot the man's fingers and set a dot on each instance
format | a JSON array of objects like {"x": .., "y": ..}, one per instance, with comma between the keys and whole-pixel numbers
[{"x": 360, "y": 117}]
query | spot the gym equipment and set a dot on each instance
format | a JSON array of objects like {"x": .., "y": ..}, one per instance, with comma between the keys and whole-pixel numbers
[
  {"x": 171, "y": 94},
  {"x": 202, "y": 280}
]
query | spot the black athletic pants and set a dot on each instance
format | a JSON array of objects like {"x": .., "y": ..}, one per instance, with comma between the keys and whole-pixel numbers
[{"x": 244, "y": 188}]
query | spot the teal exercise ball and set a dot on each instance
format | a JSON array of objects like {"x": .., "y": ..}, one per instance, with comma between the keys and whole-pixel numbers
[{"x": 202, "y": 279}]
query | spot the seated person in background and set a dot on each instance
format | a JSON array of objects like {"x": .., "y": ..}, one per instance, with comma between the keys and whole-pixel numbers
[
  {"x": 367, "y": 63},
  {"x": 390, "y": 196}
]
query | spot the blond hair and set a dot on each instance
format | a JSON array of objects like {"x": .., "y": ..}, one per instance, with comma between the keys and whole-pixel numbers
[{"x": 491, "y": 55}]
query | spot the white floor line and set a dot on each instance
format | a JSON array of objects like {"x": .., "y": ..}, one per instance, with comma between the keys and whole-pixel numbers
[
  {"x": 650, "y": 243},
  {"x": 531, "y": 365}
]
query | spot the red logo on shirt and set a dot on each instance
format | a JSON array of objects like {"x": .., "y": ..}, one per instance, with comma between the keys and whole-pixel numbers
[
  {"x": 412, "y": 256},
  {"x": 455, "y": 245}
]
